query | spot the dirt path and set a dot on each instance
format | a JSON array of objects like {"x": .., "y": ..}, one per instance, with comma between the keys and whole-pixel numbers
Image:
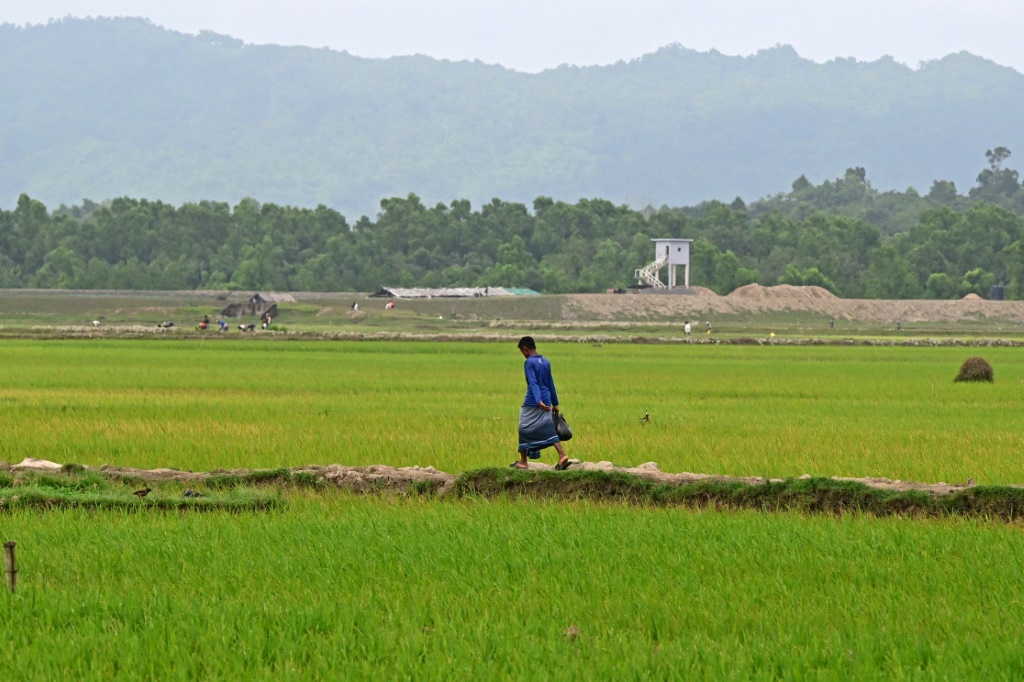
[{"x": 388, "y": 478}]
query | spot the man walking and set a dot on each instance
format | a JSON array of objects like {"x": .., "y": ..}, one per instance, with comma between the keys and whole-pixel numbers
[{"x": 536, "y": 426}]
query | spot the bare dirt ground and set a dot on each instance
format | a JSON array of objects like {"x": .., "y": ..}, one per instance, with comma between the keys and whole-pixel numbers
[
  {"x": 598, "y": 318},
  {"x": 795, "y": 313},
  {"x": 388, "y": 478},
  {"x": 756, "y": 299}
]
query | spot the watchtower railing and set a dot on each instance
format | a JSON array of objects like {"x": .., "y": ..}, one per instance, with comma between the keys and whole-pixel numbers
[{"x": 649, "y": 273}]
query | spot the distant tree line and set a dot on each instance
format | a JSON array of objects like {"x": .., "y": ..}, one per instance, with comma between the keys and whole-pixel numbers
[{"x": 842, "y": 235}]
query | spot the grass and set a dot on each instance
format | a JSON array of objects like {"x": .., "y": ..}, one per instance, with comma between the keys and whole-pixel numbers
[
  {"x": 44, "y": 497},
  {"x": 747, "y": 411},
  {"x": 74, "y": 487},
  {"x": 370, "y": 587},
  {"x": 680, "y": 583}
]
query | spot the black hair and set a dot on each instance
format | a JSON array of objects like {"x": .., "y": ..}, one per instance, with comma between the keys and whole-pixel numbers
[{"x": 527, "y": 342}]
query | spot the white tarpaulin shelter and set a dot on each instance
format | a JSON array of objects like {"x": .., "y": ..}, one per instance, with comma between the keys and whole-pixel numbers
[{"x": 451, "y": 292}]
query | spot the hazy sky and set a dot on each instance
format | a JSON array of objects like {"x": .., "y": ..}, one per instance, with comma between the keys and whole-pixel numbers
[{"x": 531, "y": 35}]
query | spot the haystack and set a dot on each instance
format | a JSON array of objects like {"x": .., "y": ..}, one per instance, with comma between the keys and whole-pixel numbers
[{"x": 975, "y": 369}]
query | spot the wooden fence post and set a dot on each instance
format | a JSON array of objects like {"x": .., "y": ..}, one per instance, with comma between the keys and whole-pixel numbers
[{"x": 12, "y": 570}]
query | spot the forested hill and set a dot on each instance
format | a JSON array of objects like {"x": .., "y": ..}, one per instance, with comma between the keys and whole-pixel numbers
[{"x": 105, "y": 108}]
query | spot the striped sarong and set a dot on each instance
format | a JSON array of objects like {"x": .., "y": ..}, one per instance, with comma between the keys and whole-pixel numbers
[{"x": 536, "y": 430}]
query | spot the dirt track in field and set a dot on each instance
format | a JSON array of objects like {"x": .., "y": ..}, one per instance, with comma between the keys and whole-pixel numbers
[{"x": 385, "y": 478}]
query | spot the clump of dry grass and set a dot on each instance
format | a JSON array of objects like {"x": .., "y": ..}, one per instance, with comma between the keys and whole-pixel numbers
[{"x": 975, "y": 369}]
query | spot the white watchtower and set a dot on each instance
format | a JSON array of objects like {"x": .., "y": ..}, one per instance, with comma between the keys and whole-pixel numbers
[{"x": 670, "y": 252}]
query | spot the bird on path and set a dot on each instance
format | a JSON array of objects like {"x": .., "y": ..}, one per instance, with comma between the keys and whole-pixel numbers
[{"x": 143, "y": 492}]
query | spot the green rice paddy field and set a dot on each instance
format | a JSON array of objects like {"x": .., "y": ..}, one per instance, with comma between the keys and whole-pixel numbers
[{"x": 337, "y": 586}]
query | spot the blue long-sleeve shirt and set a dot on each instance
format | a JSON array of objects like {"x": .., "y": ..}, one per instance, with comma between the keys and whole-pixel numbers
[{"x": 540, "y": 387}]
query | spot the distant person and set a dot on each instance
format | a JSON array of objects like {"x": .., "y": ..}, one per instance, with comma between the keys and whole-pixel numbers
[
  {"x": 536, "y": 426},
  {"x": 390, "y": 305},
  {"x": 223, "y": 325},
  {"x": 709, "y": 326},
  {"x": 899, "y": 326},
  {"x": 355, "y": 306},
  {"x": 687, "y": 329},
  {"x": 267, "y": 319},
  {"x": 832, "y": 323}
]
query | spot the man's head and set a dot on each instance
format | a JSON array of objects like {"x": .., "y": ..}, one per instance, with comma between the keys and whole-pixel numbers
[{"x": 527, "y": 345}]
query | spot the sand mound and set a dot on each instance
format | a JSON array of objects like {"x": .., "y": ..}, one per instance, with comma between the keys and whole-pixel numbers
[
  {"x": 703, "y": 291},
  {"x": 972, "y": 297},
  {"x": 782, "y": 291}
]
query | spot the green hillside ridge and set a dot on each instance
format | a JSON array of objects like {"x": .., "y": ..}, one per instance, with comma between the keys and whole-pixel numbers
[{"x": 103, "y": 108}]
